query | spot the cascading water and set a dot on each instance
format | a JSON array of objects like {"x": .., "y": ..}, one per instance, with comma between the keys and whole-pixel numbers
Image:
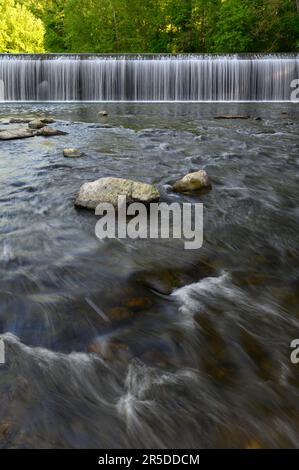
[{"x": 147, "y": 78}]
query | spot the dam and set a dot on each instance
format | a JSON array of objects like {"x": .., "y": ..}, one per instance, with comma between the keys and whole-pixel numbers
[{"x": 147, "y": 78}]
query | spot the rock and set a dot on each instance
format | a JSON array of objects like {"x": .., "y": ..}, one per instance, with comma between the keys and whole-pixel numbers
[
  {"x": 5, "y": 429},
  {"x": 20, "y": 120},
  {"x": 232, "y": 117},
  {"x": 139, "y": 303},
  {"x": 110, "y": 349},
  {"x": 119, "y": 313},
  {"x": 103, "y": 113},
  {"x": 36, "y": 124},
  {"x": 108, "y": 190},
  {"x": 50, "y": 132},
  {"x": 72, "y": 153},
  {"x": 47, "y": 120},
  {"x": 14, "y": 134},
  {"x": 193, "y": 182},
  {"x": 100, "y": 126}
]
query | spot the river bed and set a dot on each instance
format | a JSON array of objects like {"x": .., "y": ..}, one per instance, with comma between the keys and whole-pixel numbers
[{"x": 196, "y": 349}]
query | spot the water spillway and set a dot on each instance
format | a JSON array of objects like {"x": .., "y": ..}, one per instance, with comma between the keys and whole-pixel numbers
[{"x": 82, "y": 77}]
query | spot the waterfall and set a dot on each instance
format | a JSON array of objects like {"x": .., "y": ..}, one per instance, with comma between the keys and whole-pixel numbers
[{"x": 147, "y": 78}]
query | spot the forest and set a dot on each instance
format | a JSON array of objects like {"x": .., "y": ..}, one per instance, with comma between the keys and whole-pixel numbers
[{"x": 149, "y": 26}]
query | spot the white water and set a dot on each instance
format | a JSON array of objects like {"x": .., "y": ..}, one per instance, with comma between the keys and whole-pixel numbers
[{"x": 147, "y": 78}]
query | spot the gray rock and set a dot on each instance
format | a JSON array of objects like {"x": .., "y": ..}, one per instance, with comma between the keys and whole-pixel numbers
[
  {"x": 20, "y": 120},
  {"x": 50, "y": 132},
  {"x": 108, "y": 190},
  {"x": 47, "y": 120},
  {"x": 18, "y": 133},
  {"x": 103, "y": 113},
  {"x": 193, "y": 182},
  {"x": 72, "y": 153},
  {"x": 36, "y": 124}
]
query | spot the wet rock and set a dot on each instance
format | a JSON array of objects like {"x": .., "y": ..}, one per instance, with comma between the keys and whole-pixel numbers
[
  {"x": 110, "y": 349},
  {"x": 157, "y": 357},
  {"x": 50, "y": 132},
  {"x": 103, "y": 113},
  {"x": 232, "y": 117},
  {"x": 72, "y": 153},
  {"x": 47, "y": 120},
  {"x": 14, "y": 134},
  {"x": 165, "y": 281},
  {"x": 119, "y": 313},
  {"x": 100, "y": 126},
  {"x": 20, "y": 120},
  {"x": 139, "y": 303},
  {"x": 193, "y": 182},
  {"x": 108, "y": 190},
  {"x": 5, "y": 429},
  {"x": 36, "y": 124},
  {"x": 259, "y": 355}
]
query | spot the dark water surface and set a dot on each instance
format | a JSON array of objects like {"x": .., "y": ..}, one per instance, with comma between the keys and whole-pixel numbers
[{"x": 196, "y": 351}]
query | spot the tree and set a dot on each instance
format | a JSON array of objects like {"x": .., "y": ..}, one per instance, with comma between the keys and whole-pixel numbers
[
  {"x": 257, "y": 26},
  {"x": 235, "y": 27},
  {"x": 20, "y": 31},
  {"x": 90, "y": 26}
]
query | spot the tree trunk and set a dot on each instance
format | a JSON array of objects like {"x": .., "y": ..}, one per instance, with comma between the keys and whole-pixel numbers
[{"x": 297, "y": 4}]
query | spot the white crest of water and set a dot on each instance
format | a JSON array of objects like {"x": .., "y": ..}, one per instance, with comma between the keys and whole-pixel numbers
[{"x": 147, "y": 78}]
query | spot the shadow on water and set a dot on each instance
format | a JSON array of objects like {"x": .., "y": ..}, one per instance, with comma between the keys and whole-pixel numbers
[{"x": 116, "y": 344}]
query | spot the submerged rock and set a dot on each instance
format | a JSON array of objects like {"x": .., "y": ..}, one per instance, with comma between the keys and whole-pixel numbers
[
  {"x": 108, "y": 190},
  {"x": 193, "y": 182},
  {"x": 5, "y": 429},
  {"x": 119, "y": 313},
  {"x": 139, "y": 303},
  {"x": 100, "y": 126},
  {"x": 36, "y": 124},
  {"x": 20, "y": 120},
  {"x": 14, "y": 134},
  {"x": 110, "y": 349},
  {"x": 232, "y": 117},
  {"x": 50, "y": 132},
  {"x": 72, "y": 153}
]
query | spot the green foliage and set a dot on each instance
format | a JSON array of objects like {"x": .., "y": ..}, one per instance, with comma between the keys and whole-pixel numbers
[
  {"x": 154, "y": 26},
  {"x": 51, "y": 12},
  {"x": 20, "y": 30},
  {"x": 257, "y": 26}
]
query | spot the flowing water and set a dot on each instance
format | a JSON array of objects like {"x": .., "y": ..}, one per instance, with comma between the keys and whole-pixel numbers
[
  {"x": 147, "y": 78},
  {"x": 120, "y": 344}
]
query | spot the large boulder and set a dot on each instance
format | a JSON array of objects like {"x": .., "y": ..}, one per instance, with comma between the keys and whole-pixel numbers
[
  {"x": 17, "y": 133},
  {"x": 193, "y": 182},
  {"x": 108, "y": 190}
]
